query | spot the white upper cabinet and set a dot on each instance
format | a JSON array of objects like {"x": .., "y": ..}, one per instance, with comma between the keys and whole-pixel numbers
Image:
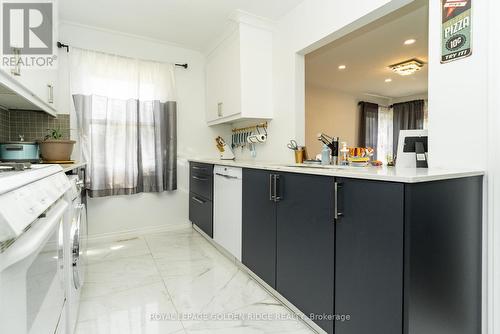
[
  {"x": 41, "y": 83},
  {"x": 239, "y": 74},
  {"x": 35, "y": 86}
]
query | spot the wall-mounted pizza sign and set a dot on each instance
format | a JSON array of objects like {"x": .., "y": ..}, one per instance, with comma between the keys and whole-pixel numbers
[{"x": 456, "y": 30}]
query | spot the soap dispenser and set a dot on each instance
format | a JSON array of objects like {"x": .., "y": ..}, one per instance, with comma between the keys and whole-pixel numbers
[{"x": 325, "y": 155}]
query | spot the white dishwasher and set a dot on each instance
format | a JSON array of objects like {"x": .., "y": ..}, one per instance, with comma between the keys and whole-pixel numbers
[{"x": 227, "y": 208}]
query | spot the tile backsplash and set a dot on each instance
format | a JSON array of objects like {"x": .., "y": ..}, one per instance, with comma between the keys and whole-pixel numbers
[
  {"x": 32, "y": 125},
  {"x": 4, "y": 125}
]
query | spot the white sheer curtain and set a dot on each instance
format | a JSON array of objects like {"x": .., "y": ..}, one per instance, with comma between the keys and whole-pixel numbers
[
  {"x": 126, "y": 114},
  {"x": 385, "y": 133},
  {"x": 386, "y": 140}
]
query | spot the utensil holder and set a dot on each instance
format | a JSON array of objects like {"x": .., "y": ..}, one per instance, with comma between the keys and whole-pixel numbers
[{"x": 299, "y": 155}]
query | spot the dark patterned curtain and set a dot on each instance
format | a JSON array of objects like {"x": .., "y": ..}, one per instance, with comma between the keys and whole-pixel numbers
[
  {"x": 407, "y": 116},
  {"x": 369, "y": 125}
]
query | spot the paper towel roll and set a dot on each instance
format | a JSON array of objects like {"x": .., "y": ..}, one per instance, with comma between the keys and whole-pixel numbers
[{"x": 254, "y": 139}]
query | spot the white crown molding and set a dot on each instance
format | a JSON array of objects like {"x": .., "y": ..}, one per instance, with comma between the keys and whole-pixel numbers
[
  {"x": 241, "y": 17},
  {"x": 234, "y": 20}
]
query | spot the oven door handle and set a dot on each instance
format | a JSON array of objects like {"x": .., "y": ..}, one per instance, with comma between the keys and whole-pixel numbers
[
  {"x": 76, "y": 245},
  {"x": 33, "y": 239}
]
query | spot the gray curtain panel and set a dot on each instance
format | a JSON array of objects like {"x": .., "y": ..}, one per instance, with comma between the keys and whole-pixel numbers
[
  {"x": 130, "y": 145},
  {"x": 369, "y": 125},
  {"x": 407, "y": 116}
]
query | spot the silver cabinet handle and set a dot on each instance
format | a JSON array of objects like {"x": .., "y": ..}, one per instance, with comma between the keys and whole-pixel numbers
[
  {"x": 276, "y": 189},
  {"x": 196, "y": 199},
  {"x": 51, "y": 94},
  {"x": 10, "y": 147},
  {"x": 199, "y": 178},
  {"x": 336, "y": 213},
  {"x": 198, "y": 168},
  {"x": 271, "y": 177},
  {"x": 17, "y": 68},
  {"x": 220, "y": 111}
]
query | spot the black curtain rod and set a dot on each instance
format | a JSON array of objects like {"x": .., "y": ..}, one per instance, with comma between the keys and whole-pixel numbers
[
  {"x": 63, "y": 46},
  {"x": 66, "y": 46}
]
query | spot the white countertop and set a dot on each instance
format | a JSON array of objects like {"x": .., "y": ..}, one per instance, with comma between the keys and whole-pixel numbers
[
  {"x": 392, "y": 174},
  {"x": 69, "y": 167}
]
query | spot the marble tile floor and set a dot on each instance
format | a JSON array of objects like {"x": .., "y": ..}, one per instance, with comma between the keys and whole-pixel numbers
[{"x": 175, "y": 282}]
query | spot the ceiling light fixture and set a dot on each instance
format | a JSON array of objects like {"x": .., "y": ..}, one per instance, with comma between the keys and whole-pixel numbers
[
  {"x": 342, "y": 67},
  {"x": 407, "y": 67},
  {"x": 388, "y": 80},
  {"x": 410, "y": 41}
]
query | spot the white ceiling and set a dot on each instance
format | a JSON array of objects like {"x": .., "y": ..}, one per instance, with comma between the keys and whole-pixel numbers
[
  {"x": 368, "y": 52},
  {"x": 190, "y": 23}
]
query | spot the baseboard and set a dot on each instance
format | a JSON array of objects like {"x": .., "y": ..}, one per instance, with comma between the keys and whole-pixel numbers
[{"x": 133, "y": 233}]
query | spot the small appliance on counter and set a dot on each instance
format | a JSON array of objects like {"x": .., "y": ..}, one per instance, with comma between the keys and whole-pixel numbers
[
  {"x": 19, "y": 151},
  {"x": 225, "y": 151},
  {"x": 412, "y": 149}
]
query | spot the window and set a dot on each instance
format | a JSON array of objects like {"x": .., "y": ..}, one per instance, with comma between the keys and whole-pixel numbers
[
  {"x": 385, "y": 134},
  {"x": 126, "y": 116}
]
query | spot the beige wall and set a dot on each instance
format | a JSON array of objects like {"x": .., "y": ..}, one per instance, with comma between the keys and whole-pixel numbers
[
  {"x": 333, "y": 113},
  {"x": 336, "y": 114}
]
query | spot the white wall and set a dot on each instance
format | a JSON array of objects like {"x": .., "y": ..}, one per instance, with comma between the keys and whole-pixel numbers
[
  {"x": 147, "y": 211},
  {"x": 458, "y": 96}
]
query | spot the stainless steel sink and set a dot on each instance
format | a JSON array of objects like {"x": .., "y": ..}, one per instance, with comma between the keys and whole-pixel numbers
[{"x": 316, "y": 166}]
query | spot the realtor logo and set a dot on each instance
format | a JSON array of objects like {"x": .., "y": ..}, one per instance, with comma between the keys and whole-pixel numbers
[{"x": 27, "y": 28}]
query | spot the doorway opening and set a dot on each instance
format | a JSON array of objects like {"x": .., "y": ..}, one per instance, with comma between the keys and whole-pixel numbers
[{"x": 371, "y": 83}]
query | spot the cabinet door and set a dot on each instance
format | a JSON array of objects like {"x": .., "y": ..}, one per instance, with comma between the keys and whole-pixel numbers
[
  {"x": 39, "y": 82},
  {"x": 223, "y": 80},
  {"x": 201, "y": 184},
  {"x": 201, "y": 213},
  {"x": 369, "y": 257},
  {"x": 305, "y": 244},
  {"x": 259, "y": 225}
]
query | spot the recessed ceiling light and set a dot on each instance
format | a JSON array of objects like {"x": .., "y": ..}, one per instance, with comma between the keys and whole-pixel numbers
[
  {"x": 388, "y": 80},
  {"x": 410, "y": 41},
  {"x": 342, "y": 67}
]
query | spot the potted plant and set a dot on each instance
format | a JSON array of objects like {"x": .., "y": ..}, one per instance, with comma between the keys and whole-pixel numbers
[{"x": 54, "y": 148}]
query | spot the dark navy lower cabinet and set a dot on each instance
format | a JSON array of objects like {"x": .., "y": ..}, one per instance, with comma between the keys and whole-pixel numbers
[
  {"x": 200, "y": 196},
  {"x": 369, "y": 257},
  {"x": 306, "y": 245},
  {"x": 380, "y": 257},
  {"x": 443, "y": 260},
  {"x": 259, "y": 225}
]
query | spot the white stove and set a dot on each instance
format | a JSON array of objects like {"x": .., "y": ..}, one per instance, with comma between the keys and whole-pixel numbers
[
  {"x": 25, "y": 195},
  {"x": 33, "y": 213}
]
